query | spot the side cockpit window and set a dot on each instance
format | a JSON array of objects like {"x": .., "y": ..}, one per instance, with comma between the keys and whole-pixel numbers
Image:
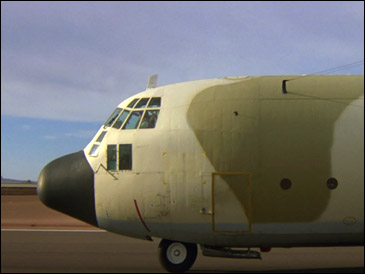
[
  {"x": 125, "y": 157},
  {"x": 119, "y": 157},
  {"x": 94, "y": 151},
  {"x": 111, "y": 163}
]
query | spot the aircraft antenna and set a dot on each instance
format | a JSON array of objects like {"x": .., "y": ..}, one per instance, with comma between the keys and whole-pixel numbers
[
  {"x": 284, "y": 90},
  {"x": 152, "y": 81}
]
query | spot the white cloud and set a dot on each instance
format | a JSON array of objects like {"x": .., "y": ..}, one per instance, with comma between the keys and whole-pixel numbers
[
  {"x": 26, "y": 127},
  {"x": 50, "y": 137},
  {"x": 79, "y": 134},
  {"x": 84, "y": 134}
]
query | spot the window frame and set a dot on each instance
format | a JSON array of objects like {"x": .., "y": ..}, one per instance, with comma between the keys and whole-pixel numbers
[
  {"x": 136, "y": 124},
  {"x": 119, "y": 157},
  {"x": 125, "y": 118},
  {"x": 144, "y": 115},
  {"x": 140, "y": 100},
  {"x": 132, "y": 109},
  {"x": 110, "y": 121}
]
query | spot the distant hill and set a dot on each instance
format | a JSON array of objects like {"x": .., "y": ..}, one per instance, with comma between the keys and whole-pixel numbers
[{"x": 13, "y": 181}]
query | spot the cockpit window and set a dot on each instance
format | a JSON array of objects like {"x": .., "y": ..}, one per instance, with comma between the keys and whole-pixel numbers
[
  {"x": 94, "y": 151},
  {"x": 112, "y": 117},
  {"x": 111, "y": 163},
  {"x": 142, "y": 103},
  {"x": 131, "y": 104},
  {"x": 125, "y": 157},
  {"x": 101, "y": 137},
  {"x": 133, "y": 120},
  {"x": 155, "y": 102},
  {"x": 149, "y": 119},
  {"x": 121, "y": 119},
  {"x": 140, "y": 113}
]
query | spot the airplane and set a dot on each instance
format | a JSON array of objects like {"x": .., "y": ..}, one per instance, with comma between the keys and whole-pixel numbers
[{"x": 229, "y": 164}]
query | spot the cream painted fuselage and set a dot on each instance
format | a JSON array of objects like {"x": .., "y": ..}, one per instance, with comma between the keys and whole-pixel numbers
[{"x": 231, "y": 162}]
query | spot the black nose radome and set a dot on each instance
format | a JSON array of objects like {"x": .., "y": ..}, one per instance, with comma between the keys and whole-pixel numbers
[{"x": 67, "y": 185}]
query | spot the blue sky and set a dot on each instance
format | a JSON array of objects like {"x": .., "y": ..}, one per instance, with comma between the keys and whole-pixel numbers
[{"x": 66, "y": 65}]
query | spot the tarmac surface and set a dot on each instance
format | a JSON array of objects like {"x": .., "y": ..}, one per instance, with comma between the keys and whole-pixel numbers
[{"x": 37, "y": 239}]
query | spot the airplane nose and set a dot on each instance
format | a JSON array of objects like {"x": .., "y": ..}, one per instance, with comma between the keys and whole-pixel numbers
[{"x": 67, "y": 185}]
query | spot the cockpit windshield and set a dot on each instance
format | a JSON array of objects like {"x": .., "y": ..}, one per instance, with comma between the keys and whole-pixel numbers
[
  {"x": 149, "y": 119},
  {"x": 140, "y": 113},
  {"x": 112, "y": 117}
]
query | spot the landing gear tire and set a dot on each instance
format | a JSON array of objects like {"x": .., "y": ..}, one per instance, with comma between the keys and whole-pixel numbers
[{"x": 177, "y": 256}]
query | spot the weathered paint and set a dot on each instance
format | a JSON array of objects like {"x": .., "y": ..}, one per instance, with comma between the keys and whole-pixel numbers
[
  {"x": 277, "y": 136},
  {"x": 243, "y": 125}
]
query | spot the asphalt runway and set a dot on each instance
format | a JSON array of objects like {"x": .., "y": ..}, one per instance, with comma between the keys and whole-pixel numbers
[
  {"x": 37, "y": 239},
  {"x": 104, "y": 252}
]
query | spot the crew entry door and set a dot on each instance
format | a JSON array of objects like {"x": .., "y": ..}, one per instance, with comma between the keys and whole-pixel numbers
[{"x": 231, "y": 202}]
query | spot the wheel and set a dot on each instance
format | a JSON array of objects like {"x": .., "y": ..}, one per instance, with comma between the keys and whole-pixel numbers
[{"x": 177, "y": 256}]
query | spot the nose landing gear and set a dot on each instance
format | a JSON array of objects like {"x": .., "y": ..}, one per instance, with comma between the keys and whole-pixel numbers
[{"x": 177, "y": 256}]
